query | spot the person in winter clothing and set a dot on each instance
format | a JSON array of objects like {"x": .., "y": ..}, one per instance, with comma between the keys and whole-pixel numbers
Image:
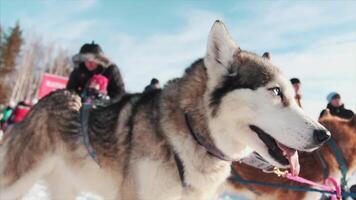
[
  {"x": 20, "y": 112},
  {"x": 6, "y": 114},
  {"x": 336, "y": 108},
  {"x": 296, "y": 85},
  {"x": 91, "y": 61},
  {"x": 97, "y": 90},
  {"x": 99, "y": 84},
  {"x": 154, "y": 85}
]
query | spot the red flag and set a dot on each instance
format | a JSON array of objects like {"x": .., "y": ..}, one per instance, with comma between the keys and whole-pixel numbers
[{"x": 51, "y": 83}]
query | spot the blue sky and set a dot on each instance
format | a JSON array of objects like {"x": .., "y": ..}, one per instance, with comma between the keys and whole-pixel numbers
[{"x": 313, "y": 40}]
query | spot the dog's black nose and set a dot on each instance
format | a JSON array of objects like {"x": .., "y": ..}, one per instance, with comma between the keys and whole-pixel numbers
[{"x": 321, "y": 135}]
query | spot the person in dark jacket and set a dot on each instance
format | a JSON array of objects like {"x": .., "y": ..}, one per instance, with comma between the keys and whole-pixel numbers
[
  {"x": 154, "y": 85},
  {"x": 336, "y": 108},
  {"x": 296, "y": 85},
  {"x": 91, "y": 61}
]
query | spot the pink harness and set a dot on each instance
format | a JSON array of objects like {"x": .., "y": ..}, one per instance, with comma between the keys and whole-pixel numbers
[{"x": 330, "y": 184}]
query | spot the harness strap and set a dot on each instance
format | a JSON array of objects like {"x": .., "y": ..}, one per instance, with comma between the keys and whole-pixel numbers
[
  {"x": 340, "y": 160},
  {"x": 323, "y": 163},
  {"x": 330, "y": 184},
  {"x": 84, "y": 119},
  {"x": 338, "y": 192},
  {"x": 276, "y": 185},
  {"x": 239, "y": 179},
  {"x": 201, "y": 140}
]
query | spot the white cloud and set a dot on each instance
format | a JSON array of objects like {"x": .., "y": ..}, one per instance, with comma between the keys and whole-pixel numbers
[
  {"x": 65, "y": 9},
  {"x": 163, "y": 56},
  {"x": 84, "y": 5},
  {"x": 59, "y": 21},
  {"x": 286, "y": 24}
]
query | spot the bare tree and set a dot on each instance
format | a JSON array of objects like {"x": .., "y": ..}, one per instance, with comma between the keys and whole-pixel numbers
[{"x": 37, "y": 58}]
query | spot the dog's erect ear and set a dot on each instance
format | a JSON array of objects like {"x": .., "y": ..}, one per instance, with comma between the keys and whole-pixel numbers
[
  {"x": 267, "y": 55},
  {"x": 221, "y": 46},
  {"x": 325, "y": 114}
]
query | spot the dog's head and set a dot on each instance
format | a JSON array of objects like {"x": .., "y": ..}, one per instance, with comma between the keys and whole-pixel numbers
[{"x": 252, "y": 107}]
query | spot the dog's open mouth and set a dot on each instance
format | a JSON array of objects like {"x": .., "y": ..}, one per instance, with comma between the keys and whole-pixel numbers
[{"x": 280, "y": 152}]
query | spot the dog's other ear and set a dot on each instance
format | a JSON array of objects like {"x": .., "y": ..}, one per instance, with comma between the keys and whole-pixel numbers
[
  {"x": 221, "y": 46},
  {"x": 325, "y": 114},
  {"x": 267, "y": 55}
]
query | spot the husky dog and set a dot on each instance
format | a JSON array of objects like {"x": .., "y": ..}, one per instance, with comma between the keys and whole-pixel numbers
[{"x": 175, "y": 143}]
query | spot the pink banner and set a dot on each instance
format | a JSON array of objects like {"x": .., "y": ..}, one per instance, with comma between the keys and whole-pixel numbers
[{"x": 51, "y": 83}]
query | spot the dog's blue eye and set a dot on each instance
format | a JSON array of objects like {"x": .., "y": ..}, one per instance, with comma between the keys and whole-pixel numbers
[{"x": 276, "y": 91}]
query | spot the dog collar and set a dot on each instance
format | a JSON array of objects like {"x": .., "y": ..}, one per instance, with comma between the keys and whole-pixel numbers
[
  {"x": 209, "y": 146},
  {"x": 203, "y": 141}
]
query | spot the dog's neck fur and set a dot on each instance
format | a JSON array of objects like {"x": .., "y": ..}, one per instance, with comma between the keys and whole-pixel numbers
[
  {"x": 189, "y": 95},
  {"x": 191, "y": 99}
]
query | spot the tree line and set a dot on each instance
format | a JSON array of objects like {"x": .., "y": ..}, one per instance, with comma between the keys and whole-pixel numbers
[{"x": 24, "y": 60}]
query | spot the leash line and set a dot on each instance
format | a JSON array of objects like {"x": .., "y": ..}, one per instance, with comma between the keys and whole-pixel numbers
[
  {"x": 236, "y": 178},
  {"x": 341, "y": 161},
  {"x": 323, "y": 163},
  {"x": 327, "y": 186},
  {"x": 288, "y": 187},
  {"x": 84, "y": 118}
]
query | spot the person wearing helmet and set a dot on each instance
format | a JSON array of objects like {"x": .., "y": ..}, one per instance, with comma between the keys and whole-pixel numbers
[{"x": 91, "y": 61}]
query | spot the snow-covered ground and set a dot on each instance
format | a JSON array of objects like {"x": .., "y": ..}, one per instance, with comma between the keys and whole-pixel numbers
[{"x": 39, "y": 192}]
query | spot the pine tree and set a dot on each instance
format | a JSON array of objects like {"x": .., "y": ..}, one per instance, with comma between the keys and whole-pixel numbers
[
  {"x": 2, "y": 38},
  {"x": 2, "y": 88},
  {"x": 10, "y": 45},
  {"x": 3, "y": 93},
  {"x": 11, "y": 48}
]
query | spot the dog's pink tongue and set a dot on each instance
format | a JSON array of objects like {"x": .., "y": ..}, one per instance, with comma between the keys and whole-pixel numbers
[{"x": 292, "y": 156}]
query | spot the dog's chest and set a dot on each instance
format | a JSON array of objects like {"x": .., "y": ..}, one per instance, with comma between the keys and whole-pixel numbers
[
  {"x": 156, "y": 180},
  {"x": 206, "y": 177}
]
